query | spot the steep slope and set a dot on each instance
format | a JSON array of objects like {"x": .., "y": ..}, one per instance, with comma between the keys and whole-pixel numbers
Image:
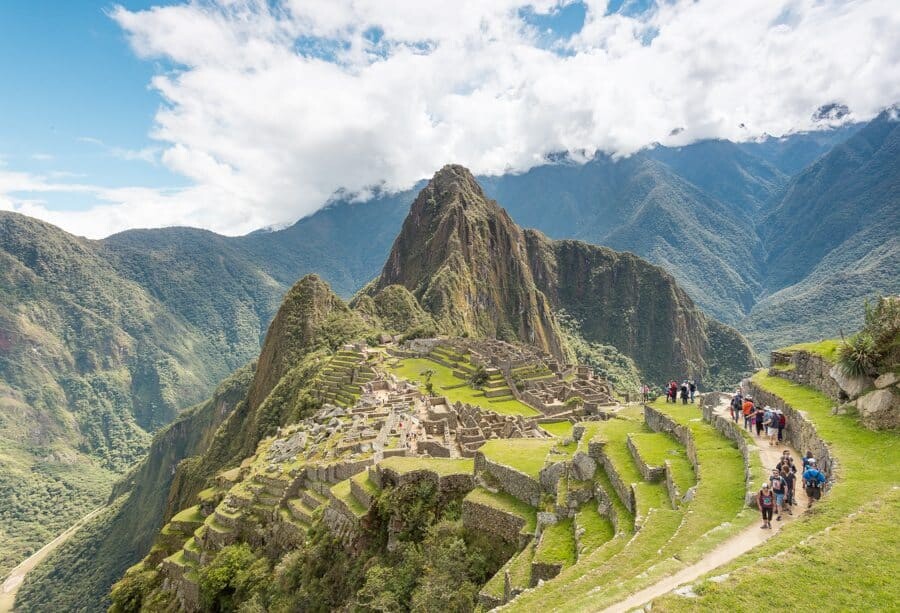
[
  {"x": 641, "y": 205},
  {"x": 77, "y": 575},
  {"x": 792, "y": 153},
  {"x": 463, "y": 258},
  {"x": 621, "y": 300},
  {"x": 832, "y": 240}
]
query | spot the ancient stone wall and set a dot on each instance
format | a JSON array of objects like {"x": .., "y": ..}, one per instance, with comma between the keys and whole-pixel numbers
[
  {"x": 511, "y": 481},
  {"x": 648, "y": 472},
  {"x": 483, "y": 518},
  {"x": 807, "y": 369},
  {"x": 734, "y": 432}
]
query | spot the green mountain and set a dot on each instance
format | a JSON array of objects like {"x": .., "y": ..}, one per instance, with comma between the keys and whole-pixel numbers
[
  {"x": 102, "y": 344},
  {"x": 832, "y": 240}
]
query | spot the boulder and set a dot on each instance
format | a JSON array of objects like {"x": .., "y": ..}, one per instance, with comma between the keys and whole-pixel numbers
[
  {"x": 583, "y": 466},
  {"x": 887, "y": 380},
  {"x": 852, "y": 386},
  {"x": 880, "y": 410}
]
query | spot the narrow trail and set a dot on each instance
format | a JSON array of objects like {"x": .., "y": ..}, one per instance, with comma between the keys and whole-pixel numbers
[
  {"x": 14, "y": 580},
  {"x": 736, "y": 546}
]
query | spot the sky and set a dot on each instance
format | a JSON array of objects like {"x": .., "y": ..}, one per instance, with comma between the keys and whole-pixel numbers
[{"x": 233, "y": 115}]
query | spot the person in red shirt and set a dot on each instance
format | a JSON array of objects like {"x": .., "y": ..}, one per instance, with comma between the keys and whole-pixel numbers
[{"x": 765, "y": 500}]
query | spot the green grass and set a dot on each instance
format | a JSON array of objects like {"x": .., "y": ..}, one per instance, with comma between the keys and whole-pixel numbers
[
  {"x": 597, "y": 528},
  {"x": 189, "y": 515},
  {"x": 446, "y": 384},
  {"x": 785, "y": 367},
  {"x": 625, "y": 517},
  {"x": 507, "y": 503},
  {"x": 520, "y": 568},
  {"x": 342, "y": 492},
  {"x": 656, "y": 448},
  {"x": 557, "y": 545},
  {"x": 525, "y": 455},
  {"x": 857, "y": 554},
  {"x": 443, "y": 467},
  {"x": 826, "y": 349},
  {"x": 560, "y": 429}
]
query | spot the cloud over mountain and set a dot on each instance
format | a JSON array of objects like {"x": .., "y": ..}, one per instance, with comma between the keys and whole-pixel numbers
[{"x": 268, "y": 108}]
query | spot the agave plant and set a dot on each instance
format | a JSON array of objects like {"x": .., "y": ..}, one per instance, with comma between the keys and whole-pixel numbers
[{"x": 858, "y": 355}]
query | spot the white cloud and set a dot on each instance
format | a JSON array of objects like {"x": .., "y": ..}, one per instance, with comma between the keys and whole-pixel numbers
[{"x": 267, "y": 131}]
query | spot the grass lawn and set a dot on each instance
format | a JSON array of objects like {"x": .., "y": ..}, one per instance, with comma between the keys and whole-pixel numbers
[
  {"x": 561, "y": 429},
  {"x": 597, "y": 528},
  {"x": 827, "y": 349},
  {"x": 342, "y": 492},
  {"x": 443, "y": 467},
  {"x": 557, "y": 545},
  {"x": 656, "y": 447},
  {"x": 850, "y": 538},
  {"x": 527, "y": 455},
  {"x": 456, "y": 389}
]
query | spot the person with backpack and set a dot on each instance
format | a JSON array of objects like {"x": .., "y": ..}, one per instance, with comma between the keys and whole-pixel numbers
[
  {"x": 735, "y": 405},
  {"x": 789, "y": 482},
  {"x": 813, "y": 481},
  {"x": 765, "y": 500},
  {"x": 684, "y": 392},
  {"x": 692, "y": 385},
  {"x": 806, "y": 459},
  {"x": 782, "y": 424},
  {"x": 770, "y": 421},
  {"x": 779, "y": 488},
  {"x": 673, "y": 391},
  {"x": 748, "y": 411},
  {"x": 759, "y": 418}
]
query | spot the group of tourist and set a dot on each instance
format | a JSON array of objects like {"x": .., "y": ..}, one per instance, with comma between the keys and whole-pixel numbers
[
  {"x": 764, "y": 420},
  {"x": 777, "y": 494},
  {"x": 687, "y": 390}
]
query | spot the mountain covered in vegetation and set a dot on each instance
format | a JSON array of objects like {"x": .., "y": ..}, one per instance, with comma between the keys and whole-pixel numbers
[{"x": 458, "y": 251}]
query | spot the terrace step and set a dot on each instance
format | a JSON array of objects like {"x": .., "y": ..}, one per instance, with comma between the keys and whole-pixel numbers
[{"x": 300, "y": 510}]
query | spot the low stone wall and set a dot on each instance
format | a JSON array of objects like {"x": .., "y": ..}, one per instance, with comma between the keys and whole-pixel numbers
[
  {"x": 807, "y": 369},
  {"x": 460, "y": 483},
  {"x": 624, "y": 490},
  {"x": 734, "y": 432},
  {"x": 483, "y": 518},
  {"x": 542, "y": 571},
  {"x": 648, "y": 472},
  {"x": 800, "y": 432},
  {"x": 512, "y": 481},
  {"x": 660, "y": 422}
]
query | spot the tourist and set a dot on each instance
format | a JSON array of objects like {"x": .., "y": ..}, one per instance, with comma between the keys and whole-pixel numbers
[
  {"x": 770, "y": 421},
  {"x": 813, "y": 481},
  {"x": 789, "y": 481},
  {"x": 645, "y": 393},
  {"x": 759, "y": 417},
  {"x": 684, "y": 392},
  {"x": 782, "y": 424},
  {"x": 748, "y": 411},
  {"x": 765, "y": 500},
  {"x": 779, "y": 487},
  {"x": 673, "y": 391},
  {"x": 806, "y": 459},
  {"x": 737, "y": 404},
  {"x": 692, "y": 385}
]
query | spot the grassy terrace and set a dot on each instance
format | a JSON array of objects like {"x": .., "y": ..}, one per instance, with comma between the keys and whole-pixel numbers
[
  {"x": 561, "y": 429},
  {"x": 668, "y": 539},
  {"x": 456, "y": 389},
  {"x": 656, "y": 448},
  {"x": 507, "y": 503},
  {"x": 557, "y": 545},
  {"x": 598, "y": 529},
  {"x": 342, "y": 492},
  {"x": 525, "y": 455},
  {"x": 189, "y": 515},
  {"x": 443, "y": 467},
  {"x": 850, "y": 538},
  {"x": 826, "y": 349}
]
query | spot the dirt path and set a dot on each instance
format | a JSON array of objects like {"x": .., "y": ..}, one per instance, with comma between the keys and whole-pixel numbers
[
  {"x": 13, "y": 582},
  {"x": 732, "y": 548}
]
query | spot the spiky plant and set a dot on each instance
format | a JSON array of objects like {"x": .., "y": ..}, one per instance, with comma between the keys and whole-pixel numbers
[{"x": 858, "y": 355}]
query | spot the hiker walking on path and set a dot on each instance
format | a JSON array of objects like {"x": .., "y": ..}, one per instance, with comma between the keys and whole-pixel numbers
[
  {"x": 782, "y": 424},
  {"x": 789, "y": 481},
  {"x": 684, "y": 392},
  {"x": 779, "y": 487},
  {"x": 759, "y": 417},
  {"x": 814, "y": 481},
  {"x": 692, "y": 385},
  {"x": 765, "y": 500},
  {"x": 645, "y": 393},
  {"x": 748, "y": 412},
  {"x": 672, "y": 391},
  {"x": 770, "y": 421},
  {"x": 737, "y": 406}
]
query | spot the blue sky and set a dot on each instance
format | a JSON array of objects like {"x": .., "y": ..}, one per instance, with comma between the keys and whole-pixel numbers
[
  {"x": 77, "y": 100},
  {"x": 233, "y": 116}
]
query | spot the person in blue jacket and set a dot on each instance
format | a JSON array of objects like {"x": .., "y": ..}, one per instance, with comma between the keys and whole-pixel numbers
[{"x": 813, "y": 480}]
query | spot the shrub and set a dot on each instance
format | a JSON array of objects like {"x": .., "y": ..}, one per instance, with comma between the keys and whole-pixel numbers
[
  {"x": 478, "y": 378},
  {"x": 858, "y": 355}
]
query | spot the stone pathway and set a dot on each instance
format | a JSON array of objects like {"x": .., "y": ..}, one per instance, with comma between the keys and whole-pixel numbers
[
  {"x": 737, "y": 545},
  {"x": 14, "y": 580}
]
